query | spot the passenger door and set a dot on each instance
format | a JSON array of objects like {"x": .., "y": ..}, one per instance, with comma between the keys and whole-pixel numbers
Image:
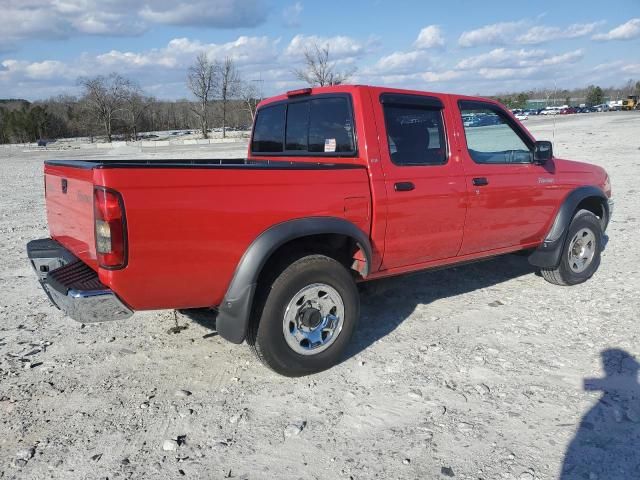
[
  {"x": 509, "y": 199},
  {"x": 425, "y": 185}
]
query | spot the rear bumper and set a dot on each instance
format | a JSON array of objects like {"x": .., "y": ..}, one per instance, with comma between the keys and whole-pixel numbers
[{"x": 72, "y": 286}]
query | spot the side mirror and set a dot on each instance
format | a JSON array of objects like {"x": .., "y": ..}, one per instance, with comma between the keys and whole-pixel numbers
[{"x": 542, "y": 151}]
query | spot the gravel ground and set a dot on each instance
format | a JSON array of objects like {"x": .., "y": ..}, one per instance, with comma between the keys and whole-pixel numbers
[{"x": 476, "y": 372}]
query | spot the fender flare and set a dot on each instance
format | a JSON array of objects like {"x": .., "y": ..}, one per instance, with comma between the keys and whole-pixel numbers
[
  {"x": 235, "y": 310},
  {"x": 548, "y": 254}
]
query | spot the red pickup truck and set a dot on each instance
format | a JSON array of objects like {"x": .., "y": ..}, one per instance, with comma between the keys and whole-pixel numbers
[{"x": 341, "y": 185}]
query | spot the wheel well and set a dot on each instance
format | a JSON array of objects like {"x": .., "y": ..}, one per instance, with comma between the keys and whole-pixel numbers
[
  {"x": 340, "y": 247},
  {"x": 596, "y": 206}
]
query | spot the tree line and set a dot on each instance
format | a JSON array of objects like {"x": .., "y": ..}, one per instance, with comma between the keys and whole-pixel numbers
[
  {"x": 113, "y": 105},
  {"x": 591, "y": 95}
]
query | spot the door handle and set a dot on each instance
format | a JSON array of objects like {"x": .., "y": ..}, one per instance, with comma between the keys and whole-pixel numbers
[
  {"x": 404, "y": 186},
  {"x": 480, "y": 181}
]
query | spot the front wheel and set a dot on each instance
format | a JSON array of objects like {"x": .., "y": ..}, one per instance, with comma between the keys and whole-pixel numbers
[
  {"x": 581, "y": 251},
  {"x": 305, "y": 317}
]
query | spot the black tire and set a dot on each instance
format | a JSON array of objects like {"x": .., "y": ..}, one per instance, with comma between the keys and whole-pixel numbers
[
  {"x": 266, "y": 336},
  {"x": 564, "y": 274}
]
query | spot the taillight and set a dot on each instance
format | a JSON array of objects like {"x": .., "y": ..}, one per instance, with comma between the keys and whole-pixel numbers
[{"x": 111, "y": 228}]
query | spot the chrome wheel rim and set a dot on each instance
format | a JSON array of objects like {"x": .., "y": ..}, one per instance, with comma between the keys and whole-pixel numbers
[
  {"x": 582, "y": 249},
  {"x": 313, "y": 319}
]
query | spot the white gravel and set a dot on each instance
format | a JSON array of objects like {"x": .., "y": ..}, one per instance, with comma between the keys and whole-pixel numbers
[{"x": 475, "y": 372}]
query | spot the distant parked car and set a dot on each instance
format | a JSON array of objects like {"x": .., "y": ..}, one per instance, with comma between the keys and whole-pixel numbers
[
  {"x": 488, "y": 120},
  {"x": 522, "y": 116},
  {"x": 470, "y": 121}
]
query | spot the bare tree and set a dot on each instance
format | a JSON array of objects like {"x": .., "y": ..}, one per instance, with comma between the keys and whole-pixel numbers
[
  {"x": 135, "y": 106},
  {"x": 104, "y": 97},
  {"x": 629, "y": 88},
  {"x": 250, "y": 98},
  {"x": 229, "y": 88},
  {"x": 203, "y": 81},
  {"x": 319, "y": 70}
]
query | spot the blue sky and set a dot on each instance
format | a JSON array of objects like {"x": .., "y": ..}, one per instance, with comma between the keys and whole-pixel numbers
[{"x": 469, "y": 47}]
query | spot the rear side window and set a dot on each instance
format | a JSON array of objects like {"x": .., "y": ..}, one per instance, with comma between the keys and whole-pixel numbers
[
  {"x": 269, "y": 130},
  {"x": 317, "y": 126},
  {"x": 415, "y": 134}
]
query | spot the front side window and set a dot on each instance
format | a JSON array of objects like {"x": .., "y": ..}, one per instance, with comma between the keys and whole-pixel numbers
[
  {"x": 415, "y": 135},
  {"x": 319, "y": 125},
  {"x": 491, "y": 137},
  {"x": 269, "y": 130}
]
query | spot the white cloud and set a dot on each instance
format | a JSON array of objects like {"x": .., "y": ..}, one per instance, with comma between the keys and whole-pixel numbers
[
  {"x": 402, "y": 62},
  {"x": 165, "y": 66},
  {"x": 514, "y": 59},
  {"x": 180, "y": 52},
  {"x": 340, "y": 46},
  {"x": 291, "y": 15},
  {"x": 626, "y": 31},
  {"x": 632, "y": 68},
  {"x": 209, "y": 13},
  {"x": 440, "y": 76},
  {"x": 421, "y": 80},
  {"x": 506, "y": 73},
  {"x": 61, "y": 19},
  {"x": 45, "y": 70},
  {"x": 609, "y": 66},
  {"x": 541, "y": 34},
  {"x": 429, "y": 37},
  {"x": 127, "y": 60},
  {"x": 503, "y": 64},
  {"x": 564, "y": 58},
  {"x": 396, "y": 80},
  {"x": 494, "y": 34},
  {"x": 501, "y": 57}
]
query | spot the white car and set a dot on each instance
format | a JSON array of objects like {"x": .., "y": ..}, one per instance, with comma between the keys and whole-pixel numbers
[{"x": 522, "y": 116}]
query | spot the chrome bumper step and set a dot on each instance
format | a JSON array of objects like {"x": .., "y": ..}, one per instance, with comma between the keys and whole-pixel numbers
[{"x": 72, "y": 286}]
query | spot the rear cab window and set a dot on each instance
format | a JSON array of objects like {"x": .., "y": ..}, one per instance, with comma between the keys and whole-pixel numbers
[
  {"x": 320, "y": 125},
  {"x": 269, "y": 129}
]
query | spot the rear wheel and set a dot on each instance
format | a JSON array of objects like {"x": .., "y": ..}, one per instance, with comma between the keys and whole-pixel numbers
[
  {"x": 581, "y": 252},
  {"x": 306, "y": 317}
]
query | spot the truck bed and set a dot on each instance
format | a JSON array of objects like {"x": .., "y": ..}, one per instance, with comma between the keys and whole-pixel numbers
[{"x": 189, "y": 221}]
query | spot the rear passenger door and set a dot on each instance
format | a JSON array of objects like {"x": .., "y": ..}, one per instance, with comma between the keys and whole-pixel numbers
[{"x": 424, "y": 183}]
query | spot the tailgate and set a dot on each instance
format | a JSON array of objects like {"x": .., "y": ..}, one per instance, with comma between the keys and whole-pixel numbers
[{"x": 69, "y": 199}]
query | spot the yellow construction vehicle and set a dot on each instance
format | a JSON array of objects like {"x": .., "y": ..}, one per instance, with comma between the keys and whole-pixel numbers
[{"x": 631, "y": 103}]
